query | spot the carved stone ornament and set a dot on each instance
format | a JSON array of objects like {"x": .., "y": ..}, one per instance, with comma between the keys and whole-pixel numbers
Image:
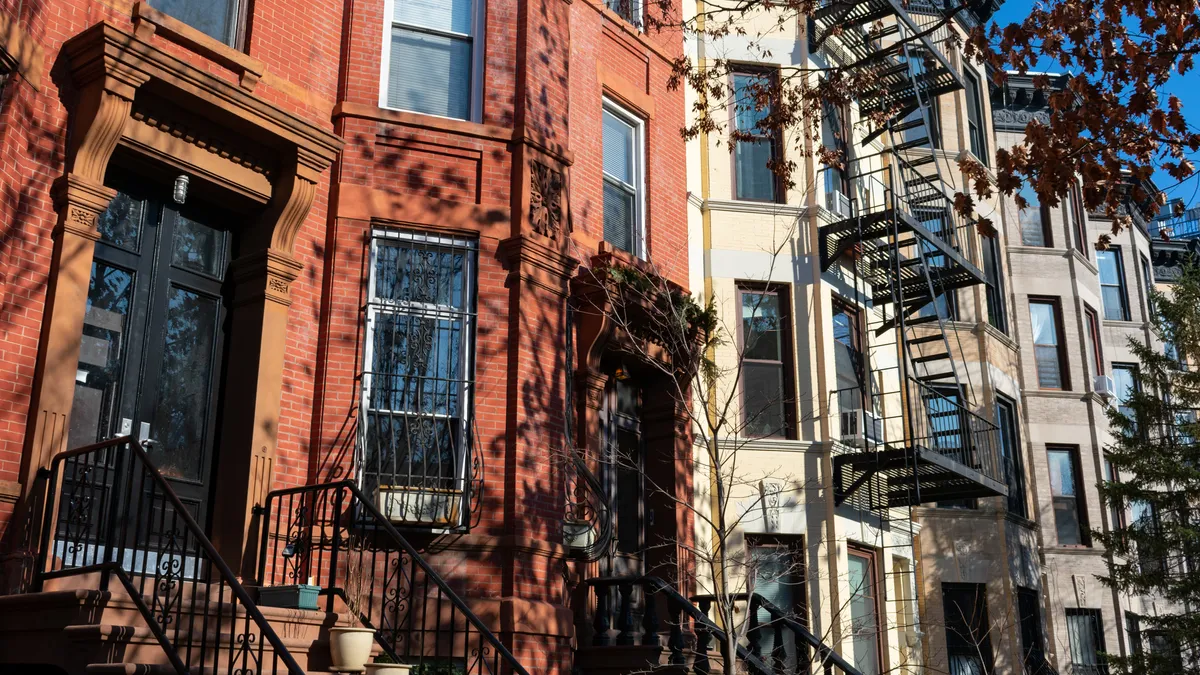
[
  {"x": 545, "y": 200},
  {"x": 1017, "y": 119},
  {"x": 1080, "y": 583}
]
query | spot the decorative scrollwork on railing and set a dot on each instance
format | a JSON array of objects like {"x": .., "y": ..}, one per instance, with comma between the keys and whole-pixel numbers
[
  {"x": 168, "y": 576},
  {"x": 587, "y": 522}
]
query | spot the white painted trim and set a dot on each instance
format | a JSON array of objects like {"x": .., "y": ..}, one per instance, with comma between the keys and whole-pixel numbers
[
  {"x": 639, "y": 170},
  {"x": 478, "y": 44}
]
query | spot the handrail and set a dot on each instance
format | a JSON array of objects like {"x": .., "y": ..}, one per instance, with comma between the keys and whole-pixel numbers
[
  {"x": 825, "y": 651},
  {"x": 379, "y": 523},
  {"x": 170, "y": 565}
]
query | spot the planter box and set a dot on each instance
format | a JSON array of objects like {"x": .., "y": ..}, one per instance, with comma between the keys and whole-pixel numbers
[
  {"x": 578, "y": 534},
  {"x": 419, "y": 506},
  {"x": 295, "y": 596}
]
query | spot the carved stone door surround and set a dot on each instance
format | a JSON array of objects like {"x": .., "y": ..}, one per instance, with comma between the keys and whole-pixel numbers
[{"x": 124, "y": 93}]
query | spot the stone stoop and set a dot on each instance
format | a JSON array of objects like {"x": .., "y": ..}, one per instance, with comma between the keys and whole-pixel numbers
[
  {"x": 75, "y": 626},
  {"x": 630, "y": 659}
]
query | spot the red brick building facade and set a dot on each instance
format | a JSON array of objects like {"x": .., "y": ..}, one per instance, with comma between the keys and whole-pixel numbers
[{"x": 325, "y": 175}]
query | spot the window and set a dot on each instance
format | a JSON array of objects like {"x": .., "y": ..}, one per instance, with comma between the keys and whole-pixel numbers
[
  {"x": 778, "y": 564},
  {"x": 948, "y": 428},
  {"x": 968, "y": 635},
  {"x": 630, "y": 10},
  {"x": 1070, "y": 518},
  {"x": 625, "y": 470},
  {"x": 1145, "y": 519},
  {"x": 1033, "y": 641},
  {"x": 864, "y": 610},
  {"x": 1072, "y": 207},
  {"x": 217, "y": 19},
  {"x": 623, "y": 181},
  {"x": 1116, "y": 514},
  {"x": 1163, "y": 652},
  {"x": 417, "y": 385},
  {"x": 430, "y": 58},
  {"x": 1010, "y": 451},
  {"x": 1148, "y": 285},
  {"x": 766, "y": 358},
  {"x": 976, "y": 130},
  {"x": 1125, "y": 384},
  {"x": 1112, "y": 285},
  {"x": 1133, "y": 629},
  {"x": 847, "y": 346},
  {"x": 997, "y": 315},
  {"x": 1034, "y": 219},
  {"x": 1085, "y": 633},
  {"x": 1046, "y": 320},
  {"x": 754, "y": 178},
  {"x": 930, "y": 130},
  {"x": 833, "y": 137},
  {"x": 1095, "y": 356}
]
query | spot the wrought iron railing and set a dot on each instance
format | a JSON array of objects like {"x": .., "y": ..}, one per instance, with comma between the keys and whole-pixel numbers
[
  {"x": 109, "y": 511},
  {"x": 338, "y": 537},
  {"x": 663, "y": 608},
  {"x": 587, "y": 522},
  {"x": 939, "y": 423}
]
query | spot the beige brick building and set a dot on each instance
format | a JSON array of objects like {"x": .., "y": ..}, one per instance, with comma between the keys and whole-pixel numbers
[{"x": 1075, "y": 310}]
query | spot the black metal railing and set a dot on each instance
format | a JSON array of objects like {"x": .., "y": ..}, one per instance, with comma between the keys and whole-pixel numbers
[
  {"x": 587, "y": 521},
  {"x": 948, "y": 428},
  {"x": 939, "y": 423},
  {"x": 337, "y": 536},
  {"x": 109, "y": 511},
  {"x": 662, "y": 608}
]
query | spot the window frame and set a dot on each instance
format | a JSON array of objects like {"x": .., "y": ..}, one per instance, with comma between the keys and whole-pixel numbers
[
  {"x": 1064, "y": 371},
  {"x": 1033, "y": 656},
  {"x": 636, "y": 16},
  {"x": 871, "y": 555},
  {"x": 993, "y": 266},
  {"x": 973, "y": 93},
  {"x": 1044, "y": 220},
  {"x": 478, "y": 24},
  {"x": 1078, "y": 218},
  {"x": 239, "y": 29},
  {"x": 1091, "y": 321},
  {"x": 374, "y": 309},
  {"x": 1148, "y": 282},
  {"x": 628, "y": 116},
  {"x": 1079, "y": 499},
  {"x": 1097, "y": 626},
  {"x": 787, "y": 352},
  {"x": 1121, "y": 285},
  {"x": 981, "y": 648},
  {"x": 776, "y": 141},
  {"x": 1018, "y": 465},
  {"x": 1134, "y": 377}
]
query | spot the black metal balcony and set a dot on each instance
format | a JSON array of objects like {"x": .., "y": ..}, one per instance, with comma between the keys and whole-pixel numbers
[
  {"x": 905, "y": 73},
  {"x": 924, "y": 446}
]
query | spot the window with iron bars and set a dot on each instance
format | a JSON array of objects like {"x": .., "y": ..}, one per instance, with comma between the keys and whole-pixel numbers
[{"x": 418, "y": 385}]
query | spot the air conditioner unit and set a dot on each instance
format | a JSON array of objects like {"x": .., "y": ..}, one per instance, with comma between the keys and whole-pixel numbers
[
  {"x": 860, "y": 426},
  {"x": 1104, "y": 386},
  {"x": 838, "y": 203}
]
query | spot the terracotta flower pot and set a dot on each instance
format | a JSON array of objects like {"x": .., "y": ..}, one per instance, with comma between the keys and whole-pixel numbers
[{"x": 350, "y": 648}]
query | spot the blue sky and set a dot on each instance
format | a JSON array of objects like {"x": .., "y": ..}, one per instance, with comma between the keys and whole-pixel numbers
[{"x": 1187, "y": 88}]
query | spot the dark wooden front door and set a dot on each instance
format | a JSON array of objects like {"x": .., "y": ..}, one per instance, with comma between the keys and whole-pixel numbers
[
  {"x": 624, "y": 479},
  {"x": 153, "y": 337}
]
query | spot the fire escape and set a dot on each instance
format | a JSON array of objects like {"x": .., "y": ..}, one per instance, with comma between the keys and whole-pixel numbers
[{"x": 915, "y": 439}]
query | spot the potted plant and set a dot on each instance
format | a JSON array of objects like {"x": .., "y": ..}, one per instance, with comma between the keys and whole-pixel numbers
[
  {"x": 385, "y": 665},
  {"x": 350, "y": 646}
]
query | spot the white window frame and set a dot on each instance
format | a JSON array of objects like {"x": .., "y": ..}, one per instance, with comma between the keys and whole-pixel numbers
[
  {"x": 375, "y": 307},
  {"x": 639, "y": 172},
  {"x": 475, "y": 112}
]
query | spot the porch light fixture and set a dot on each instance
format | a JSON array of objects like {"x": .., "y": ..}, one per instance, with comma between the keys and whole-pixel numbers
[{"x": 181, "y": 188}]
